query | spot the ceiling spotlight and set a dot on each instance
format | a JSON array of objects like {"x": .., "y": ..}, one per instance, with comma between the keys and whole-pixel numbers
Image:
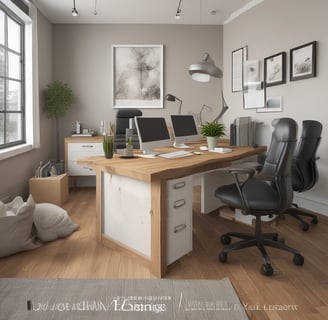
[
  {"x": 74, "y": 11},
  {"x": 178, "y": 13}
]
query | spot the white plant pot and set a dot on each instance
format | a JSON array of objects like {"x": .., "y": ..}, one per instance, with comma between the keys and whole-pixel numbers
[{"x": 212, "y": 142}]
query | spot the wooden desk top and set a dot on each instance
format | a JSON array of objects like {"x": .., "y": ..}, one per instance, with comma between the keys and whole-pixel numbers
[{"x": 150, "y": 169}]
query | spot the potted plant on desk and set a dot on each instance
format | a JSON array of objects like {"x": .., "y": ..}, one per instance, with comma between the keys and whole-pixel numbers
[
  {"x": 212, "y": 131},
  {"x": 108, "y": 146}
]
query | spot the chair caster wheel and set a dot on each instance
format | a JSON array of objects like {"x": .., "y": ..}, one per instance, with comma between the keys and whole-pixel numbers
[
  {"x": 267, "y": 269},
  {"x": 223, "y": 257},
  {"x": 305, "y": 226},
  {"x": 298, "y": 259},
  {"x": 225, "y": 239},
  {"x": 314, "y": 220},
  {"x": 275, "y": 238}
]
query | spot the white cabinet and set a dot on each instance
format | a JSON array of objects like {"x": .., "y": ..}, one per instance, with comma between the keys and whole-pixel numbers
[
  {"x": 179, "y": 218},
  {"x": 77, "y": 149}
]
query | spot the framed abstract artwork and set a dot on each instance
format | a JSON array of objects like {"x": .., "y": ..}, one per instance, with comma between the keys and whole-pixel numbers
[
  {"x": 137, "y": 76},
  {"x": 303, "y": 61},
  {"x": 275, "y": 69}
]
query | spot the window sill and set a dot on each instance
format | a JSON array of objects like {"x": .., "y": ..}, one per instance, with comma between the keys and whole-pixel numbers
[{"x": 14, "y": 151}]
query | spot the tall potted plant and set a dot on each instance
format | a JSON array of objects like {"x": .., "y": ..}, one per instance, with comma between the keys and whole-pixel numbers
[
  {"x": 58, "y": 98},
  {"x": 212, "y": 131}
]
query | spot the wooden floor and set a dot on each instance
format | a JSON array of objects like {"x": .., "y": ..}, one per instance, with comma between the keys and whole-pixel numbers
[{"x": 302, "y": 292}]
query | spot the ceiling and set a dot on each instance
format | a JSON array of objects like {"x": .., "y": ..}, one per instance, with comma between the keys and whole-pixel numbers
[{"x": 144, "y": 11}]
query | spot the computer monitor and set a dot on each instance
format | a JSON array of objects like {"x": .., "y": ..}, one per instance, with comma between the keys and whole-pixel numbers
[
  {"x": 184, "y": 130},
  {"x": 152, "y": 133}
]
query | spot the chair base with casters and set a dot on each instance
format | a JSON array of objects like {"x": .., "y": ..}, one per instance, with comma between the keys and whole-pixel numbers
[
  {"x": 259, "y": 240},
  {"x": 296, "y": 212}
]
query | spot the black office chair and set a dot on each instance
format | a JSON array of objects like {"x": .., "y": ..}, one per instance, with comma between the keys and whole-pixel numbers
[
  {"x": 304, "y": 168},
  {"x": 123, "y": 117},
  {"x": 267, "y": 193}
]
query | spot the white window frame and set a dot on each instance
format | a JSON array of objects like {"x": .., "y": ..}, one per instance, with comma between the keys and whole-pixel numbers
[{"x": 32, "y": 117}]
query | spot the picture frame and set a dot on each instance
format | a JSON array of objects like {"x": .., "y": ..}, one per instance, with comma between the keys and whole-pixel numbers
[
  {"x": 303, "y": 61},
  {"x": 275, "y": 69},
  {"x": 137, "y": 76},
  {"x": 238, "y": 57},
  {"x": 273, "y": 104},
  {"x": 251, "y": 72}
]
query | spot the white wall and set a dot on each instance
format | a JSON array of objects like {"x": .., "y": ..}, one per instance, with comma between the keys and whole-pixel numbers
[
  {"x": 267, "y": 29},
  {"x": 83, "y": 56},
  {"x": 16, "y": 171}
]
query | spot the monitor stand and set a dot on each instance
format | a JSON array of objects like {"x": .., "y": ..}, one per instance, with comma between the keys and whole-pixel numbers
[{"x": 181, "y": 146}]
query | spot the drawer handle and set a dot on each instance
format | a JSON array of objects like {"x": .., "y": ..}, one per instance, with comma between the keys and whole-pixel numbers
[
  {"x": 87, "y": 146},
  {"x": 180, "y": 227},
  {"x": 179, "y": 203},
  {"x": 179, "y": 185},
  {"x": 90, "y": 169}
]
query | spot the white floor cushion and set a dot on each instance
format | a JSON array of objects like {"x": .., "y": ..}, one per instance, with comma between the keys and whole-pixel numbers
[
  {"x": 52, "y": 222},
  {"x": 16, "y": 227}
]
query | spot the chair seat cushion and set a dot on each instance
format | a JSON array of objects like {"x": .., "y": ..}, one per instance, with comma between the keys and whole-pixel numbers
[{"x": 259, "y": 195}]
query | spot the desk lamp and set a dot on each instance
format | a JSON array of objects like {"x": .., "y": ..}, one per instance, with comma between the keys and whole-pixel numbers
[{"x": 172, "y": 98}]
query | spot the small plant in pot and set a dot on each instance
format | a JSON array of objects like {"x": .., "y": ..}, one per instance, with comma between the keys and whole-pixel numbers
[
  {"x": 212, "y": 131},
  {"x": 108, "y": 146}
]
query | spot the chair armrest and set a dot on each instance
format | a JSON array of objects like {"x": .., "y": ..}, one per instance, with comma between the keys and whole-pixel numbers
[{"x": 242, "y": 170}]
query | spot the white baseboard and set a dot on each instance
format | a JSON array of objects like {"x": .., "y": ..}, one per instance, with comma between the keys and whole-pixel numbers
[{"x": 310, "y": 204}]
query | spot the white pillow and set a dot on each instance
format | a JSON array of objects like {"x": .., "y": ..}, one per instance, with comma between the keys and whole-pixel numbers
[
  {"x": 52, "y": 222},
  {"x": 16, "y": 233}
]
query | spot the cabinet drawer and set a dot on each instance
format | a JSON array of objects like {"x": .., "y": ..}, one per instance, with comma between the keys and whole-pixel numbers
[
  {"x": 179, "y": 237},
  {"x": 80, "y": 150},
  {"x": 74, "y": 169}
]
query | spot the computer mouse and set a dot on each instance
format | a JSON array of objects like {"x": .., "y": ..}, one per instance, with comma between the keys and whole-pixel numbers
[{"x": 255, "y": 145}]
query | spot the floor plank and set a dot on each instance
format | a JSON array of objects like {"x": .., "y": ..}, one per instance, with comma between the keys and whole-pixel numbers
[{"x": 301, "y": 291}]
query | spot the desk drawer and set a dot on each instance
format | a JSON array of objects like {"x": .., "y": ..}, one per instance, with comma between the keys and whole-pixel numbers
[
  {"x": 179, "y": 196},
  {"x": 179, "y": 237}
]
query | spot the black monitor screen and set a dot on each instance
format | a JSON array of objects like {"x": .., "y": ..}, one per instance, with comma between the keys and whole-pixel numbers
[
  {"x": 184, "y": 125},
  {"x": 152, "y": 129}
]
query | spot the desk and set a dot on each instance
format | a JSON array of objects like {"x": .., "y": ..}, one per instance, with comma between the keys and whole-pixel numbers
[{"x": 133, "y": 198}]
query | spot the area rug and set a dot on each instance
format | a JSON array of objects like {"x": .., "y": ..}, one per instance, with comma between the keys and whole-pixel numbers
[{"x": 119, "y": 299}]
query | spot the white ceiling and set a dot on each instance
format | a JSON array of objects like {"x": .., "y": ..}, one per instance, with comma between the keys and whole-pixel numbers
[{"x": 144, "y": 11}]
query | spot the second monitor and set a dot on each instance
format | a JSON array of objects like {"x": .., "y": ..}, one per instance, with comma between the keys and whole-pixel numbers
[{"x": 184, "y": 130}]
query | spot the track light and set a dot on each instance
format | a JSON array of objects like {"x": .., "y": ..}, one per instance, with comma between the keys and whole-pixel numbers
[
  {"x": 74, "y": 11},
  {"x": 178, "y": 13}
]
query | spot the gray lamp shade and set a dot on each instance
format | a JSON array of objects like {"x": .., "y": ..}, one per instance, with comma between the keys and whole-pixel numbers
[{"x": 204, "y": 70}]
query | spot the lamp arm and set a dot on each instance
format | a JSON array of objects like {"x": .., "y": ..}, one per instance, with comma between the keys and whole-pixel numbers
[
  {"x": 201, "y": 111},
  {"x": 224, "y": 108}
]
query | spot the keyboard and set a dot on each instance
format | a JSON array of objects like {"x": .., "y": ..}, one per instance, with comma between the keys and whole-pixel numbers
[{"x": 175, "y": 154}]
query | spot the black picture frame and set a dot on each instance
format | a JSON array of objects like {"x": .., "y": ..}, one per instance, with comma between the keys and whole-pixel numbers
[
  {"x": 275, "y": 69},
  {"x": 303, "y": 61}
]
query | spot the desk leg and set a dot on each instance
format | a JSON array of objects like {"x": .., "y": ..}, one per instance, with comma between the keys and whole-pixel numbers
[
  {"x": 98, "y": 205},
  {"x": 158, "y": 229}
]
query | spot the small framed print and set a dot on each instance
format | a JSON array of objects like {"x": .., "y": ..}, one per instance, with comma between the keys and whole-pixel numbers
[
  {"x": 273, "y": 104},
  {"x": 238, "y": 57},
  {"x": 303, "y": 61},
  {"x": 275, "y": 69}
]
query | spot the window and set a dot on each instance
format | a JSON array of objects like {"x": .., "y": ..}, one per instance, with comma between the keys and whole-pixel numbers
[
  {"x": 19, "y": 87},
  {"x": 12, "y": 83}
]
